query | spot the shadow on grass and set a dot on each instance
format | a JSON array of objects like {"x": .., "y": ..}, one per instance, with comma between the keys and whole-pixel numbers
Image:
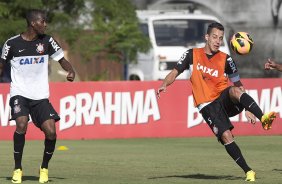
[
  {"x": 277, "y": 170},
  {"x": 35, "y": 178},
  {"x": 200, "y": 176}
]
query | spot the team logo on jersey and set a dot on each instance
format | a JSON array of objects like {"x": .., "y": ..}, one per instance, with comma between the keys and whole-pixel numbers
[
  {"x": 17, "y": 109},
  {"x": 40, "y": 48}
]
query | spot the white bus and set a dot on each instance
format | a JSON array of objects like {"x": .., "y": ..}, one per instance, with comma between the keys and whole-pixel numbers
[{"x": 171, "y": 33}]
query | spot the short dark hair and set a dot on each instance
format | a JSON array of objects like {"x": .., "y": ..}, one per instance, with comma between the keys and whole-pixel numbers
[
  {"x": 215, "y": 25},
  {"x": 31, "y": 15}
]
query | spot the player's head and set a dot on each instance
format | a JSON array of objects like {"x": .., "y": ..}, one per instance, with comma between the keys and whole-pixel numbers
[
  {"x": 214, "y": 37},
  {"x": 36, "y": 19}
]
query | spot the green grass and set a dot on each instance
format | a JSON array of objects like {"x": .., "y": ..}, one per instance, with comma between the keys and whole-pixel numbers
[{"x": 148, "y": 161}]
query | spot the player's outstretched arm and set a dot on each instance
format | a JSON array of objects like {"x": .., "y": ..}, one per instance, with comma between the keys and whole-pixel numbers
[
  {"x": 67, "y": 67},
  {"x": 272, "y": 65},
  {"x": 169, "y": 79}
]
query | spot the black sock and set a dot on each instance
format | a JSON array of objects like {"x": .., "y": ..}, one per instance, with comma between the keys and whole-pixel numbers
[
  {"x": 234, "y": 151},
  {"x": 19, "y": 141},
  {"x": 250, "y": 105},
  {"x": 48, "y": 152}
]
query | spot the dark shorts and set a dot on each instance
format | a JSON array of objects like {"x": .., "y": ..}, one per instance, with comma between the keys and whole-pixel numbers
[
  {"x": 39, "y": 110},
  {"x": 217, "y": 113}
]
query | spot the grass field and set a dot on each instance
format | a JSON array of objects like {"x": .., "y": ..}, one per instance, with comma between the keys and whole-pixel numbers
[{"x": 148, "y": 161}]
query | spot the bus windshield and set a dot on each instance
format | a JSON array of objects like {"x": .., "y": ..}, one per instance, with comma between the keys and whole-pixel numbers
[{"x": 180, "y": 32}]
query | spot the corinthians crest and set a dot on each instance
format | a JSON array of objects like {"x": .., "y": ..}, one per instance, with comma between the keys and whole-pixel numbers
[
  {"x": 17, "y": 109},
  {"x": 40, "y": 48}
]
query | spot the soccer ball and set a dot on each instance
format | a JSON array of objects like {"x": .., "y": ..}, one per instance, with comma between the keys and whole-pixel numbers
[{"x": 241, "y": 43}]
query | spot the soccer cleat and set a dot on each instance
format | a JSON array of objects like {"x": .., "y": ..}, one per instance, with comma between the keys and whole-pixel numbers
[
  {"x": 267, "y": 120},
  {"x": 43, "y": 175},
  {"x": 250, "y": 176},
  {"x": 17, "y": 176}
]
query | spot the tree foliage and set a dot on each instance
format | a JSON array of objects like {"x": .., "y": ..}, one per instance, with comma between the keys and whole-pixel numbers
[
  {"x": 114, "y": 31},
  {"x": 61, "y": 14},
  {"x": 111, "y": 27}
]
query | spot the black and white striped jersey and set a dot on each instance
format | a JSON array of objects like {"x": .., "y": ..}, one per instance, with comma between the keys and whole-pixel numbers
[{"x": 29, "y": 64}]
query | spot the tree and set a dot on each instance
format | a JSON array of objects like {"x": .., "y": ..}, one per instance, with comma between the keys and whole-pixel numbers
[
  {"x": 60, "y": 14},
  {"x": 116, "y": 29},
  {"x": 108, "y": 28},
  {"x": 114, "y": 33}
]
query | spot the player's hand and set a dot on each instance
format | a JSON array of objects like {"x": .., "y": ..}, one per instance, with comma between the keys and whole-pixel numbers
[
  {"x": 251, "y": 117},
  {"x": 71, "y": 76},
  {"x": 270, "y": 64},
  {"x": 161, "y": 89}
]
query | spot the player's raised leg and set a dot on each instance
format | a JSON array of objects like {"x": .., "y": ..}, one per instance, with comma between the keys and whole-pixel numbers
[{"x": 250, "y": 105}]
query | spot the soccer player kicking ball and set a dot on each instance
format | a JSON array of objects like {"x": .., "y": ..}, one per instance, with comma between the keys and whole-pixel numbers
[
  {"x": 215, "y": 99},
  {"x": 28, "y": 54}
]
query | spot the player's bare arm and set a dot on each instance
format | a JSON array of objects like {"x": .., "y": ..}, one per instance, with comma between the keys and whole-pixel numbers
[
  {"x": 239, "y": 85},
  {"x": 250, "y": 116},
  {"x": 67, "y": 67},
  {"x": 272, "y": 65},
  {"x": 169, "y": 79}
]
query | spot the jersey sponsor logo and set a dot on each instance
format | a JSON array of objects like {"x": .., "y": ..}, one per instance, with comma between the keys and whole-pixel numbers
[
  {"x": 232, "y": 64},
  {"x": 40, "y": 48},
  {"x": 54, "y": 44},
  {"x": 6, "y": 51},
  {"x": 210, "y": 71},
  {"x": 21, "y": 50},
  {"x": 33, "y": 60}
]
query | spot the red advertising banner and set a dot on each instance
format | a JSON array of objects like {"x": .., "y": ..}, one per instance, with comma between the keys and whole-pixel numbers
[{"x": 127, "y": 109}]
